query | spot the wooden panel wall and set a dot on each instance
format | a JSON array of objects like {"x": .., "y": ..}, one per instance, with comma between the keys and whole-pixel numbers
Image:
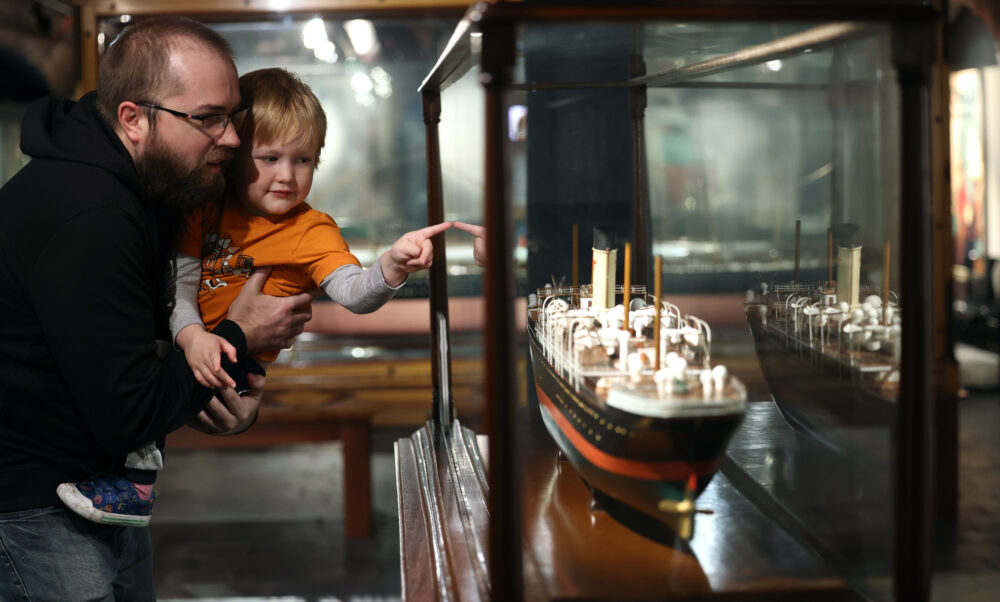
[{"x": 92, "y": 11}]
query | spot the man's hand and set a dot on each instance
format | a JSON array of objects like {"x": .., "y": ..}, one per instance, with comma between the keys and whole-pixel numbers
[
  {"x": 479, "y": 244},
  {"x": 269, "y": 322},
  {"x": 411, "y": 253},
  {"x": 234, "y": 413}
]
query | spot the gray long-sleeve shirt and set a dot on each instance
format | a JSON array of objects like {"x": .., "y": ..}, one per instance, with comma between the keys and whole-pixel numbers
[{"x": 359, "y": 290}]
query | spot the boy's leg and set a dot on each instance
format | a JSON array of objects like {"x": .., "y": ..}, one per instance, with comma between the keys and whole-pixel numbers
[
  {"x": 108, "y": 499},
  {"x": 112, "y": 499},
  {"x": 145, "y": 461}
]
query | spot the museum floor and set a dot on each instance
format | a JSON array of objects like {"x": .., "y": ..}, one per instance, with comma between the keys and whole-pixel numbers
[{"x": 241, "y": 526}]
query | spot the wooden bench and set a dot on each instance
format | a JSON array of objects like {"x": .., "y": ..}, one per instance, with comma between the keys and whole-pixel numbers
[
  {"x": 343, "y": 401},
  {"x": 399, "y": 391},
  {"x": 320, "y": 415}
]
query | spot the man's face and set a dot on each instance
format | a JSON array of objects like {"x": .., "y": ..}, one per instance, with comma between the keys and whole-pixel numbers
[
  {"x": 172, "y": 181},
  {"x": 180, "y": 163}
]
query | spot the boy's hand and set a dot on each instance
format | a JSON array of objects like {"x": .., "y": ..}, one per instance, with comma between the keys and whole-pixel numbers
[
  {"x": 203, "y": 351},
  {"x": 411, "y": 253}
]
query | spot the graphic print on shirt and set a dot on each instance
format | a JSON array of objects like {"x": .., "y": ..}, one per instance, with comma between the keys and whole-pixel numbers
[{"x": 221, "y": 260}]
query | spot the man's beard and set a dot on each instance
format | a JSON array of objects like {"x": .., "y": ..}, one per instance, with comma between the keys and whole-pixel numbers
[{"x": 168, "y": 182}]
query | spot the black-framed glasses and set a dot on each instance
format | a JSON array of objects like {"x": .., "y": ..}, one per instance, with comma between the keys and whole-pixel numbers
[{"x": 214, "y": 124}]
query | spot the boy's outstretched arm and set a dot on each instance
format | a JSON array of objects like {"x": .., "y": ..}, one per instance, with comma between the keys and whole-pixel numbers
[{"x": 411, "y": 253}]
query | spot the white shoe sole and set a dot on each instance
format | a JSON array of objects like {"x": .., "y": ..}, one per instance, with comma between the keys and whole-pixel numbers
[{"x": 82, "y": 505}]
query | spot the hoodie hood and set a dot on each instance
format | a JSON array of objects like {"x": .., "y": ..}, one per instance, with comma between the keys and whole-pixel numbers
[{"x": 66, "y": 130}]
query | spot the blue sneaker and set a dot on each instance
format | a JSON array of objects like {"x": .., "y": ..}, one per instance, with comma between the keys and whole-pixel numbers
[{"x": 109, "y": 500}]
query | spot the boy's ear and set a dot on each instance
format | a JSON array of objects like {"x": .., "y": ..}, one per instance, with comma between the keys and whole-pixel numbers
[{"x": 133, "y": 121}]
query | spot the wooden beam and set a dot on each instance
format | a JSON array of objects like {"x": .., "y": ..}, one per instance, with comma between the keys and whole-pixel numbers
[
  {"x": 105, "y": 8},
  {"x": 88, "y": 28},
  {"x": 92, "y": 11}
]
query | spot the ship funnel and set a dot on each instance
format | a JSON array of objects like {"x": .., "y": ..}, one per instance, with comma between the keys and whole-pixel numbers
[
  {"x": 848, "y": 238},
  {"x": 605, "y": 260}
]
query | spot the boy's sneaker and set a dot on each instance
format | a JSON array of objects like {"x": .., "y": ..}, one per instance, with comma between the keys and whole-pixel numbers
[{"x": 109, "y": 500}]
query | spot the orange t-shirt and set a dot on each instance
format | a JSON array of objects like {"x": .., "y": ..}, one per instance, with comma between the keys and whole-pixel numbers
[{"x": 304, "y": 246}]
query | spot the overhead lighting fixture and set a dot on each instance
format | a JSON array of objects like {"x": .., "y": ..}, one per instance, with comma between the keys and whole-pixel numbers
[
  {"x": 363, "y": 86},
  {"x": 381, "y": 82},
  {"x": 326, "y": 52},
  {"x": 314, "y": 38},
  {"x": 361, "y": 33},
  {"x": 314, "y": 33},
  {"x": 361, "y": 83}
]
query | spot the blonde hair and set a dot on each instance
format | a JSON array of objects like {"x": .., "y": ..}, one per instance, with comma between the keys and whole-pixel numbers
[{"x": 280, "y": 108}]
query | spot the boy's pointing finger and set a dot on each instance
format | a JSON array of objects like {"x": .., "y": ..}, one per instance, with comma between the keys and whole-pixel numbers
[{"x": 430, "y": 231}]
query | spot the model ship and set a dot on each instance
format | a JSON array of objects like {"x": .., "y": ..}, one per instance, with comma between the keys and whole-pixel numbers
[
  {"x": 628, "y": 391},
  {"x": 830, "y": 351}
]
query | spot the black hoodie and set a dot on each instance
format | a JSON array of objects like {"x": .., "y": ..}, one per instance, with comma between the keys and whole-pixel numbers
[{"x": 82, "y": 303}]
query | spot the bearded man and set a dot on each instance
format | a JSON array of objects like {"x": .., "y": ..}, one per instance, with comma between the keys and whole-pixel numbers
[{"x": 86, "y": 235}]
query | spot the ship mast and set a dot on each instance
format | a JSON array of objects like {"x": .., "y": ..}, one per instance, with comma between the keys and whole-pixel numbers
[
  {"x": 798, "y": 247},
  {"x": 829, "y": 257},
  {"x": 576, "y": 257},
  {"x": 657, "y": 269},
  {"x": 885, "y": 283},
  {"x": 628, "y": 281}
]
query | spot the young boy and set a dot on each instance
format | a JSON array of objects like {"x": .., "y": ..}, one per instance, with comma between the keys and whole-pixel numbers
[{"x": 263, "y": 221}]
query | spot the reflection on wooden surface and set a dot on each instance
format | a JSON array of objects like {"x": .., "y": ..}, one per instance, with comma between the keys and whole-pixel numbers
[
  {"x": 582, "y": 553},
  {"x": 573, "y": 551},
  {"x": 840, "y": 504}
]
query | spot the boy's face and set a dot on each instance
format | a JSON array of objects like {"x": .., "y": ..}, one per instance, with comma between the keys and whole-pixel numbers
[{"x": 273, "y": 178}]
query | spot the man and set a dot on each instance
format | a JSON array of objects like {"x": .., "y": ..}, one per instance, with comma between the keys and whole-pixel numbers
[{"x": 86, "y": 234}]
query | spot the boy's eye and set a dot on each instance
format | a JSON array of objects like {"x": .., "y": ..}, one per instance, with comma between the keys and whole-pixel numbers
[
  {"x": 267, "y": 158},
  {"x": 305, "y": 160}
]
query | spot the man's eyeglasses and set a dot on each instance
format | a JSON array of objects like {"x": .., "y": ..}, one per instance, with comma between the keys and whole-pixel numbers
[{"x": 214, "y": 124}]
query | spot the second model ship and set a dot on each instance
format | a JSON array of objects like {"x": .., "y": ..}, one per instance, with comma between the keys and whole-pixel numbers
[
  {"x": 830, "y": 351},
  {"x": 628, "y": 391}
]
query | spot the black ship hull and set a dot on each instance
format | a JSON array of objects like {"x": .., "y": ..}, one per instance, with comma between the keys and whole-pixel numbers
[
  {"x": 655, "y": 465},
  {"x": 818, "y": 394}
]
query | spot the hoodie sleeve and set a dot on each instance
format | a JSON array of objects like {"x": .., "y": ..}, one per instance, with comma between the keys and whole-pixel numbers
[{"x": 92, "y": 285}]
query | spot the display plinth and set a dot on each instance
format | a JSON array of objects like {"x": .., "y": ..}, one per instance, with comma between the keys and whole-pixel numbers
[{"x": 573, "y": 551}]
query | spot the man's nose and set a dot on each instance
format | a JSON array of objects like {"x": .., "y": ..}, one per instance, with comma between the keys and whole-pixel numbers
[{"x": 229, "y": 138}]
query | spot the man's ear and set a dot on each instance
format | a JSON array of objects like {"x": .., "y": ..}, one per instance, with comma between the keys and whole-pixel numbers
[{"x": 133, "y": 121}]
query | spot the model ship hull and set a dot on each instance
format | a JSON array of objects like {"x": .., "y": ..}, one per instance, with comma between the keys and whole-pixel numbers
[
  {"x": 832, "y": 395},
  {"x": 656, "y": 465},
  {"x": 813, "y": 390}
]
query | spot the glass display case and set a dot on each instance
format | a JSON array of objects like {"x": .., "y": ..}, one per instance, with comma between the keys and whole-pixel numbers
[{"x": 707, "y": 236}]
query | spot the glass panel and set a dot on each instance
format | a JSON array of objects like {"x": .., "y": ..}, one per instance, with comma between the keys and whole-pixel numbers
[
  {"x": 463, "y": 179},
  {"x": 756, "y": 143}
]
